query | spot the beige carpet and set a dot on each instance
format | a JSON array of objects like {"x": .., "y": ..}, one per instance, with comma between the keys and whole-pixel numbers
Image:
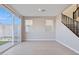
[{"x": 39, "y": 48}]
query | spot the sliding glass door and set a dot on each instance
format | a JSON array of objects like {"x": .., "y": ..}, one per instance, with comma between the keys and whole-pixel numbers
[
  {"x": 5, "y": 29},
  {"x": 17, "y": 30},
  {"x": 10, "y": 29}
]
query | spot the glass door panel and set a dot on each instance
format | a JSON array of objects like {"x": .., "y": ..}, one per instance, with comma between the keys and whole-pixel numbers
[
  {"x": 5, "y": 29},
  {"x": 17, "y": 30},
  {"x": 10, "y": 29}
]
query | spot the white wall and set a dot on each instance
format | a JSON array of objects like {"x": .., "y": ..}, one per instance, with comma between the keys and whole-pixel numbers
[
  {"x": 66, "y": 37},
  {"x": 39, "y": 30}
]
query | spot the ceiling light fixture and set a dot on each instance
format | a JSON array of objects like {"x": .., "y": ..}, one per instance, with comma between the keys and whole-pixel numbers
[{"x": 41, "y": 10}]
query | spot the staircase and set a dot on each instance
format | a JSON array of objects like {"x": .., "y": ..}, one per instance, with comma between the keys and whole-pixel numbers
[{"x": 72, "y": 23}]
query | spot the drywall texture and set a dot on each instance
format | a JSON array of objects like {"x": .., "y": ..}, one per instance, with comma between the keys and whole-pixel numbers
[
  {"x": 40, "y": 30},
  {"x": 65, "y": 36}
]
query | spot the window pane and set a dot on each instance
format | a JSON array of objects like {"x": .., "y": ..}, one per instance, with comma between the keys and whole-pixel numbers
[
  {"x": 49, "y": 22},
  {"x": 28, "y": 24},
  {"x": 5, "y": 28},
  {"x": 17, "y": 31}
]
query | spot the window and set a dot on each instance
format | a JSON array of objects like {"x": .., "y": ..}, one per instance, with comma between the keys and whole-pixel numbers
[
  {"x": 5, "y": 25},
  {"x": 49, "y": 25},
  {"x": 9, "y": 26},
  {"x": 49, "y": 22},
  {"x": 28, "y": 24},
  {"x": 17, "y": 29}
]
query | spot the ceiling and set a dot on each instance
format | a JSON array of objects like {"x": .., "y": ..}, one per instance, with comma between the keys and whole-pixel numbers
[{"x": 39, "y": 9}]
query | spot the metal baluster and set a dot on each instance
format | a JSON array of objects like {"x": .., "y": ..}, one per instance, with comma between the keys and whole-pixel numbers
[
  {"x": 78, "y": 12},
  {"x": 78, "y": 28},
  {"x": 68, "y": 21}
]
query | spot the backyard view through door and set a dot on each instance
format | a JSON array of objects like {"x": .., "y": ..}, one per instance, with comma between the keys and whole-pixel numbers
[{"x": 9, "y": 29}]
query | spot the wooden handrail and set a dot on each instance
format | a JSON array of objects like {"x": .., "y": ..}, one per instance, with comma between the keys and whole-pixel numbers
[
  {"x": 74, "y": 13},
  {"x": 72, "y": 23},
  {"x": 67, "y": 16},
  {"x": 76, "y": 9}
]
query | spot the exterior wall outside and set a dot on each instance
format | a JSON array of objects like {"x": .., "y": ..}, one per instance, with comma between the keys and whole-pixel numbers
[{"x": 6, "y": 32}]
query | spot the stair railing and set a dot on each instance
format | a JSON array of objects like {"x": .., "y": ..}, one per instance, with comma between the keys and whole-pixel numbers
[
  {"x": 76, "y": 13},
  {"x": 72, "y": 24}
]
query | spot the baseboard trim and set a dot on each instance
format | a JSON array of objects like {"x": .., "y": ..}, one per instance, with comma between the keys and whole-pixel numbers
[
  {"x": 40, "y": 39},
  {"x": 68, "y": 47}
]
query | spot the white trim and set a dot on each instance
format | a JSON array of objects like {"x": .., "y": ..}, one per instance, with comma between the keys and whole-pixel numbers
[
  {"x": 39, "y": 39},
  {"x": 20, "y": 30},
  {"x": 68, "y": 47}
]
